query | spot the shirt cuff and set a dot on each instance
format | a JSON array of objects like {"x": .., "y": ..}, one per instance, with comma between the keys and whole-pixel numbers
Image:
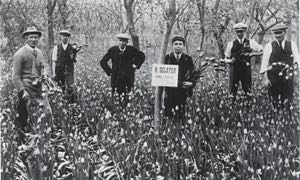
[{"x": 263, "y": 70}]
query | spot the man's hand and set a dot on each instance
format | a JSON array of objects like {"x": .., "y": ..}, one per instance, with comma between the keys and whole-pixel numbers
[
  {"x": 187, "y": 84},
  {"x": 25, "y": 95},
  {"x": 232, "y": 60},
  {"x": 266, "y": 81}
]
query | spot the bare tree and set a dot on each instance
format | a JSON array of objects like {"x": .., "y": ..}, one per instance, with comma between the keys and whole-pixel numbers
[
  {"x": 129, "y": 14},
  {"x": 201, "y": 13},
  {"x": 50, "y": 9},
  {"x": 170, "y": 19}
]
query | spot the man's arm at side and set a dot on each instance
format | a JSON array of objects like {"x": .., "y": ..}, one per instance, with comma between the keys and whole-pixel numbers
[
  {"x": 54, "y": 59},
  {"x": 266, "y": 56},
  {"x": 17, "y": 72},
  {"x": 295, "y": 53},
  {"x": 104, "y": 62},
  {"x": 139, "y": 58}
]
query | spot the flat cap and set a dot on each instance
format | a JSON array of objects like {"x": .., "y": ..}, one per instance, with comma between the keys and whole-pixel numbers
[
  {"x": 32, "y": 30},
  {"x": 123, "y": 36},
  {"x": 240, "y": 26},
  {"x": 178, "y": 38},
  {"x": 65, "y": 32},
  {"x": 279, "y": 27}
]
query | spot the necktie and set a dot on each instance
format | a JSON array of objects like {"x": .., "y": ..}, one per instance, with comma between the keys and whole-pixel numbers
[
  {"x": 177, "y": 57},
  {"x": 34, "y": 52},
  {"x": 280, "y": 45}
]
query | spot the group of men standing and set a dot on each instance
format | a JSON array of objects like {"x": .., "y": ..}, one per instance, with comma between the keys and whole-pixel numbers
[
  {"x": 278, "y": 64},
  {"x": 278, "y": 59}
]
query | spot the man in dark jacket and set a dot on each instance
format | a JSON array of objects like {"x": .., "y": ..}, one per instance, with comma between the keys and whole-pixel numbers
[
  {"x": 125, "y": 60},
  {"x": 175, "y": 97},
  {"x": 63, "y": 59},
  {"x": 278, "y": 67}
]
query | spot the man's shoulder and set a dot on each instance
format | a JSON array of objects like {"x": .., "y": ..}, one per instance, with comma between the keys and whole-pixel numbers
[
  {"x": 169, "y": 55},
  {"x": 186, "y": 56},
  {"x": 113, "y": 48},
  {"x": 131, "y": 48},
  {"x": 20, "y": 51},
  {"x": 230, "y": 43},
  {"x": 253, "y": 41},
  {"x": 39, "y": 50}
]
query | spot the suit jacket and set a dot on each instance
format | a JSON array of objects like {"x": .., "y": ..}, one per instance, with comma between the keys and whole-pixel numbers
[
  {"x": 186, "y": 67},
  {"x": 122, "y": 70}
]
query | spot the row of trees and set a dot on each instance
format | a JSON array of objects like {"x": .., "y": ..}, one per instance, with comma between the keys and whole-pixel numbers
[{"x": 202, "y": 22}]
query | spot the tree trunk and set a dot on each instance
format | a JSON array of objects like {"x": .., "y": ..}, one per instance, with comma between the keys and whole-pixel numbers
[
  {"x": 63, "y": 10},
  {"x": 171, "y": 15},
  {"x": 219, "y": 29},
  {"x": 50, "y": 9},
  {"x": 129, "y": 14},
  {"x": 201, "y": 12},
  {"x": 220, "y": 43},
  {"x": 186, "y": 34}
]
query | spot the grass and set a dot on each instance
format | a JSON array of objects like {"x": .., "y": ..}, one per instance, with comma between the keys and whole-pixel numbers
[{"x": 99, "y": 140}]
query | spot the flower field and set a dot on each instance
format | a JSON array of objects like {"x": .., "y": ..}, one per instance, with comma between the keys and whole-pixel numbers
[{"x": 101, "y": 139}]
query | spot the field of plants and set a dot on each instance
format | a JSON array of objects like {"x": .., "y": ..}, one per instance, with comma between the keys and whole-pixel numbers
[{"x": 100, "y": 139}]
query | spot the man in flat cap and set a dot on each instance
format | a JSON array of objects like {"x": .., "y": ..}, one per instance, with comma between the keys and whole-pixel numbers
[
  {"x": 278, "y": 67},
  {"x": 125, "y": 59},
  {"x": 175, "y": 97},
  {"x": 238, "y": 54},
  {"x": 27, "y": 69},
  {"x": 63, "y": 59}
]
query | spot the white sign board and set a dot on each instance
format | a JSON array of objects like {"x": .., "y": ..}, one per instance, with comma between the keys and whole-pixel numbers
[{"x": 164, "y": 75}]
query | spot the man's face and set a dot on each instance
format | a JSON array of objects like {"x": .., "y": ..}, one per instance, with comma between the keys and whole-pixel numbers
[
  {"x": 32, "y": 40},
  {"x": 178, "y": 47},
  {"x": 240, "y": 34},
  {"x": 65, "y": 38},
  {"x": 279, "y": 35},
  {"x": 123, "y": 43}
]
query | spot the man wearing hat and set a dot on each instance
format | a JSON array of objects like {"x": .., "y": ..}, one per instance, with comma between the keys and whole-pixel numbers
[
  {"x": 238, "y": 54},
  {"x": 63, "y": 59},
  {"x": 125, "y": 59},
  {"x": 278, "y": 67},
  {"x": 175, "y": 97},
  {"x": 27, "y": 68}
]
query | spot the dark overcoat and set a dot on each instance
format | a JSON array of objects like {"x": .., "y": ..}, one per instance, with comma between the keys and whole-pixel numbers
[
  {"x": 122, "y": 70},
  {"x": 176, "y": 96}
]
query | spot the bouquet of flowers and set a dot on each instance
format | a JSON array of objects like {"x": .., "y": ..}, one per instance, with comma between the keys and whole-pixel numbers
[
  {"x": 198, "y": 72},
  {"x": 48, "y": 85},
  {"x": 288, "y": 71}
]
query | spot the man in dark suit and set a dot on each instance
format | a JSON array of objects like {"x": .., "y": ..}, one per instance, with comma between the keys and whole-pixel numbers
[
  {"x": 175, "y": 97},
  {"x": 125, "y": 60}
]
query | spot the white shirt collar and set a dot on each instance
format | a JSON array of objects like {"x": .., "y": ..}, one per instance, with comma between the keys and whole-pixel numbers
[
  {"x": 241, "y": 40},
  {"x": 64, "y": 45},
  {"x": 122, "y": 49},
  {"x": 177, "y": 55},
  {"x": 282, "y": 43}
]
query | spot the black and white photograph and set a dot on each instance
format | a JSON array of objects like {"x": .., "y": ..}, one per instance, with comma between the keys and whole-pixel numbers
[{"x": 149, "y": 90}]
